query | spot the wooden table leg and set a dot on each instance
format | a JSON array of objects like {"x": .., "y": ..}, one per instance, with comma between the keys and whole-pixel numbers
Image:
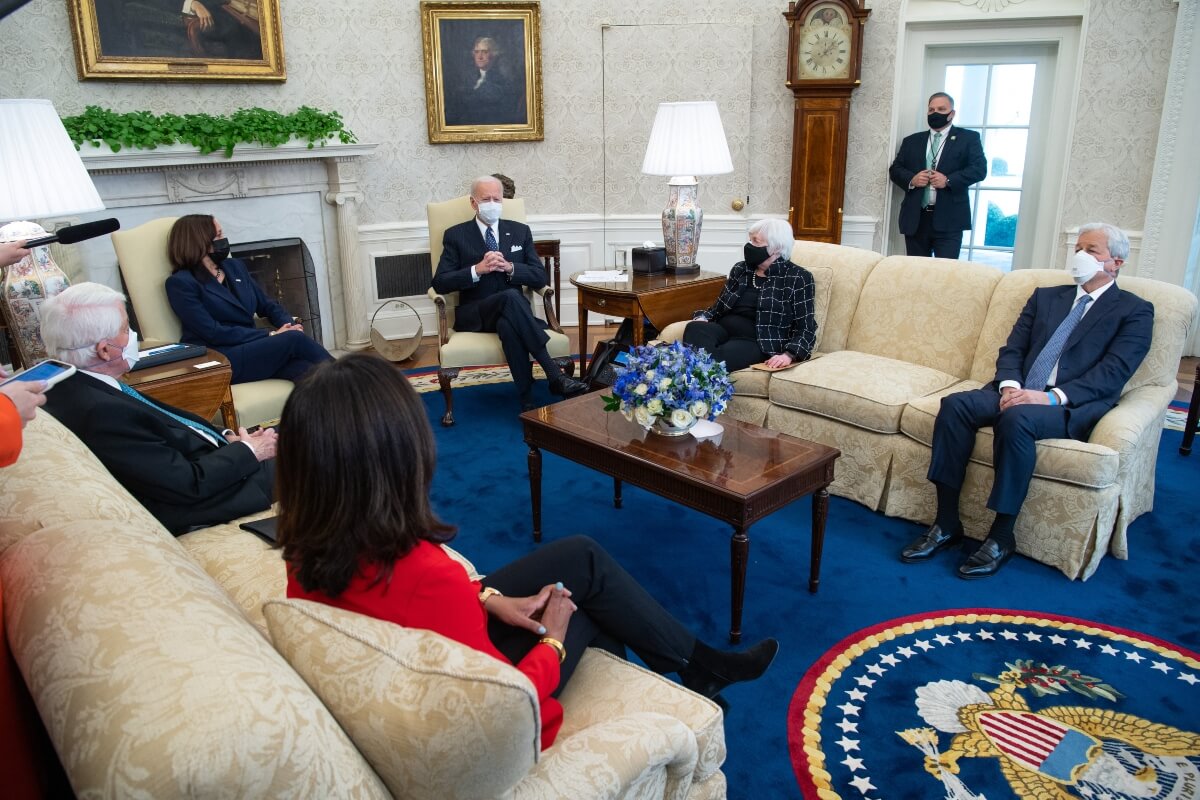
[
  {"x": 228, "y": 413},
  {"x": 639, "y": 329},
  {"x": 535, "y": 490},
  {"x": 616, "y": 492},
  {"x": 583, "y": 340},
  {"x": 739, "y": 554},
  {"x": 820, "y": 510},
  {"x": 1189, "y": 430}
]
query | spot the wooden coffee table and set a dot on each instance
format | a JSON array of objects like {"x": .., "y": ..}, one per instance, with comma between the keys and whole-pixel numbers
[
  {"x": 184, "y": 384},
  {"x": 751, "y": 473}
]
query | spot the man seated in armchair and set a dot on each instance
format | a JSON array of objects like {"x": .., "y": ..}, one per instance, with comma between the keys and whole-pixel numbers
[{"x": 487, "y": 260}]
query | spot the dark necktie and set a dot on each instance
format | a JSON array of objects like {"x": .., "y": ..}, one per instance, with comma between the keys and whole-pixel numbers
[
  {"x": 204, "y": 431},
  {"x": 489, "y": 240},
  {"x": 1043, "y": 365}
]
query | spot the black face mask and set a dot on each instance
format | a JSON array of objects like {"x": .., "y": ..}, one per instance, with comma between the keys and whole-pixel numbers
[
  {"x": 220, "y": 251},
  {"x": 938, "y": 121},
  {"x": 754, "y": 254}
]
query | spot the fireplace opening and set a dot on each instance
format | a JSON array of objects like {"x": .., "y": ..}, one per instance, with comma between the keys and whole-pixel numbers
[{"x": 284, "y": 269}]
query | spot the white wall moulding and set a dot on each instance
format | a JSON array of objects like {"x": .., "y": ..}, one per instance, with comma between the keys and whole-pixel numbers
[{"x": 260, "y": 193}]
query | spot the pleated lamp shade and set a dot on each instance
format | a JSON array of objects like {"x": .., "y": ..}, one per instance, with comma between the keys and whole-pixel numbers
[
  {"x": 687, "y": 139},
  {"x": 41, "y": 174}
]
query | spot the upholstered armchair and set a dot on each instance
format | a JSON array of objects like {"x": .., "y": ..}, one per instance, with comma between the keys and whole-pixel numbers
[
  {"x": 142, "y": 256},
  {"x": 459, "y": 349}
]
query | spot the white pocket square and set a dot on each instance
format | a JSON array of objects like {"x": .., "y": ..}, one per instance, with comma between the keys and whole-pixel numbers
[{"x": 515, "y": 248}]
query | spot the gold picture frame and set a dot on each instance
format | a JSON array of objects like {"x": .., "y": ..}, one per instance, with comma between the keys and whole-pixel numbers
[
  {"x": 483, "y": 71},
  {"x": 156, "y": 40}
]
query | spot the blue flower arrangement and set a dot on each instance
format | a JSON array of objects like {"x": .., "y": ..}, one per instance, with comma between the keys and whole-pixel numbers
[{"x": 677, "y": 382}]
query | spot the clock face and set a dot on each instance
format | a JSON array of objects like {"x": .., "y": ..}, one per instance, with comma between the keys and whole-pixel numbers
[{"x": 824, "y": 45}]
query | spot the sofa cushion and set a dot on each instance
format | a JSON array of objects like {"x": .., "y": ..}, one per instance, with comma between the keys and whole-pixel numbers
[
  {"x": 150, "y": 681},
  {"x": 860, "y": 389},
  {"x": 926, "y": 311},
  {"x": 1009, "y": 297},
  {"x": 1174, "y": 316},
  {"x": 849, "y": 267},
  {"x": 1066, "y": 460},
  {"x": 435, "y": 718},
  {"x": 33, "y": 491}
]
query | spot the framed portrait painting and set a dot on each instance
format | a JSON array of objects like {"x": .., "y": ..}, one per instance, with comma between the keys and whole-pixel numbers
[
  {"x": 483, "y": 71},
  {"x": 170, "y": 40}
]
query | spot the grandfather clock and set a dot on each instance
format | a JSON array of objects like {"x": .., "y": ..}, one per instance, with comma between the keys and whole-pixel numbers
[{"x": 824, "y": 64}]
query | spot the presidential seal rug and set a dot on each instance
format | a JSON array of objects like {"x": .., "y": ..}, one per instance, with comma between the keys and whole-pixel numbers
[{"x": 983, "y": 703}]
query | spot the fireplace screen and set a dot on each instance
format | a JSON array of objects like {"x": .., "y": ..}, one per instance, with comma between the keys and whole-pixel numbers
[{"x": 284, "y": 269}]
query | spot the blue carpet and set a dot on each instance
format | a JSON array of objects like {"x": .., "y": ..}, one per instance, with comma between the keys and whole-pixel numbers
[{"x": 683, "y": 558}]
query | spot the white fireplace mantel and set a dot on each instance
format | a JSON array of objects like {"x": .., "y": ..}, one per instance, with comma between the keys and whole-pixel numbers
[{"x": 259, "y": 193}]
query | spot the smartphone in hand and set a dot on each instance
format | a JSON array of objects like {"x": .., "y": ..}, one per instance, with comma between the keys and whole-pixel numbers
[{"x": 51, "y": 371}]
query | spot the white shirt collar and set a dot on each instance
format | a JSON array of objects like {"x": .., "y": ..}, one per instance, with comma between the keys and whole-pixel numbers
[
  {"x": 109, "y": 379},
  {"x": 483, "y": 229},
  {"x": 1095, "y": 295}
]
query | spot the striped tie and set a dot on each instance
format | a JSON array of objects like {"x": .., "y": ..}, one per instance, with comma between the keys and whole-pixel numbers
[
  {"x": 489, "y": 240},
  {"x": 1043, "y": 365},
  {"x": 203, "y": 430}
]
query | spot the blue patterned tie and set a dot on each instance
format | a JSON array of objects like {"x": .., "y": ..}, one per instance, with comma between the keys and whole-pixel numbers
[
  {"x": 208, "y": 434},
  {"x": 1043, "y": 365},
  {"x": 489, "y": 239}
]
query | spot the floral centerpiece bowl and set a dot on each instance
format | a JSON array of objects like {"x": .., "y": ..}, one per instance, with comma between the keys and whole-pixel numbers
[{"x": 666, "y": 389}]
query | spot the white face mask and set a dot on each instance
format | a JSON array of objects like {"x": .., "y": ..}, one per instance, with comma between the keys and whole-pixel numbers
[
  {"x": 1083, "y": 266},
  {"x": 130, "y": 353},
  {"x": 489, "y": 212}
]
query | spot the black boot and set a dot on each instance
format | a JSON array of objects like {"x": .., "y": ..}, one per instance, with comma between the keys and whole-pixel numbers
[{"x": 709, "y": 671}]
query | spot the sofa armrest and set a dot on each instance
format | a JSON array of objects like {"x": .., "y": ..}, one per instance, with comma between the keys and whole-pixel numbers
[
  {"x": 1125, "y": 425},
  {"x": 621, "y": 757}
]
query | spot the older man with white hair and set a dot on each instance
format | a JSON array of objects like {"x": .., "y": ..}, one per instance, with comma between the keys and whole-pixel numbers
[
  {"x": 487, "y": 260},
  {"x": 187, "y": 473},
  {"x": 765, "y": 312},
  {"x": 1063, "y": 367}
]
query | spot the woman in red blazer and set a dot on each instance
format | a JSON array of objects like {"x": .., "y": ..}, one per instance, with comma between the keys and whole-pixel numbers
[
  {"x": 358, "y": 533},
  {"x": 216, "y": 300}
]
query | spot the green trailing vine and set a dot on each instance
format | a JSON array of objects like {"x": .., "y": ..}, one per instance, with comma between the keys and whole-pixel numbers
[{"x": 210, "y": 133}]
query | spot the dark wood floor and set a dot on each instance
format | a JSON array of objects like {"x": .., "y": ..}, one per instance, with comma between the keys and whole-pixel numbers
[{"x": 426, "y": 356}]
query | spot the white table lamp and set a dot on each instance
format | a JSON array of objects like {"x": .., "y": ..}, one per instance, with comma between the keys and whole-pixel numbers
[{"x": 687, "y": 140}]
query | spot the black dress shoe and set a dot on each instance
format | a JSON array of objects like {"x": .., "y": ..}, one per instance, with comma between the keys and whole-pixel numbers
[
  {"x": 928, "y": 543},
  {"x": 567, "y": 387},
  {"x": 986, "y": 561}
]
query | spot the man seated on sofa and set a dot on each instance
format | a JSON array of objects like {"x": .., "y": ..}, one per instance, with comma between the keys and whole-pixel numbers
[
  {"x": 487, "y": 260},
  {"x": 1063, "y": 367},
  {"x": 187, "y": 473}
]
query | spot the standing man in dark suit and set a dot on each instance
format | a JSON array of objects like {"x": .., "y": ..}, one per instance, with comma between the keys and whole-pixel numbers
[
  {"x": 487, "y": 260},
  {"x": 1065, "y": 363},
  {"x": 936, "y": 168},
  {"x": 185, "y": 472}
]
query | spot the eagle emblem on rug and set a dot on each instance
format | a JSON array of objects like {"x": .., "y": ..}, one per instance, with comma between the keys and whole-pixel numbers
[{"x": 1057, "y": 752}]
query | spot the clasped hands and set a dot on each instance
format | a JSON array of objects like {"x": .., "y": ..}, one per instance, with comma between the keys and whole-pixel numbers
[
  {"x": 493, "y": 261},
  {"x": 262, "y": 442},
  {"x": 1011, "y": 396},
  {"x": 291, "y": 326},
  {"x": 927, "y": 177},
  {"x": 545, "y": 613}
]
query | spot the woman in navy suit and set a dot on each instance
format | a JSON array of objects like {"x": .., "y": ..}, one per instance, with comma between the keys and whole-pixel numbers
[{"x": 216, "y": 300}]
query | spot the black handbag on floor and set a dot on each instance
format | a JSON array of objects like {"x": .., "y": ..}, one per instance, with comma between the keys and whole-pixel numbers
[{"x": 600, "y": 368}]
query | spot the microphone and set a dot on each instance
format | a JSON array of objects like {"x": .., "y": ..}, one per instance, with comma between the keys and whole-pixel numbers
[{"x": 77, "y": 233}]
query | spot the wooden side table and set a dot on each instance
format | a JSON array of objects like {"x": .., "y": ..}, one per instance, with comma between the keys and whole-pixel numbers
[
  {"x": 1193, "y": 417},
  {"x": 182, "y": 384},
  {"x": 662, "y": 299},
  {"x": 548, "y": 252}
]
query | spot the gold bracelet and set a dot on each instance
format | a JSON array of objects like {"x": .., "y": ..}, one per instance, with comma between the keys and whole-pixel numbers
[
  {"x": 557, "y": 645},
  {"x": 487, "y": 594}
]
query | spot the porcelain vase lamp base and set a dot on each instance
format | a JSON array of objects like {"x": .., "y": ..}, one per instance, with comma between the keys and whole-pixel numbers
[{"x": 681, "y": 221}]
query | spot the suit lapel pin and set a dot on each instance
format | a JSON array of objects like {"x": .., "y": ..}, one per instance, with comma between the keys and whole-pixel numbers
[{"x": 952, "y": 138}]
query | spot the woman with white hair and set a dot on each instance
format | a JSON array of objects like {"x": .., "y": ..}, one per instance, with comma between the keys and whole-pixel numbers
[{"x": 765, "y": 310}]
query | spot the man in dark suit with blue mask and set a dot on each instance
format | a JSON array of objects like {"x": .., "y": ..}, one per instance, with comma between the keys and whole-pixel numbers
[
  {"x": 936, "y": 168},
  {"x": 487, "y": 260},
  {"x": 1063, "y": 367}
]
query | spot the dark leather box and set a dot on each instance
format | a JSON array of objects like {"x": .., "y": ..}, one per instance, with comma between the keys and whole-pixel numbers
[{"x": 649, "y": 260}]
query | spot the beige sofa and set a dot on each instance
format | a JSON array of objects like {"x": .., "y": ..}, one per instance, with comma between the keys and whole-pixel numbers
[
  {"x": 173, "y": 668},
  {"x": 896, "y": 334}
]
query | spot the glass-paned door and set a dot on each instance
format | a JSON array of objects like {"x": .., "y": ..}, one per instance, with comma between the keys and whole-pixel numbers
[{"x": 997, "y": 91}]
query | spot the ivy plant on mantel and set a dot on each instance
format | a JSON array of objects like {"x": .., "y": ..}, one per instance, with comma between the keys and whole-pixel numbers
[{"x": 208, "y": 133}]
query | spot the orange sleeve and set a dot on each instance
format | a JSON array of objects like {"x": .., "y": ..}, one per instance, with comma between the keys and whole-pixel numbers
[{"x": 10, "y": 432}]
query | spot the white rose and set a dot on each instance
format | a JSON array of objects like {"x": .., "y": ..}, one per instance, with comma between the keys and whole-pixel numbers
[
  {"x": 641, "y": 389},
  {"x": 643, "y": 416},
  {"x": 699, "y": 409},
  {"x": 655, "y": 406},
  {"x": 680, "y": 418},
  {"x": 649, "y": 376},
  {"x": 664, "y": 384},
  {"x": 627, "y": 412}
]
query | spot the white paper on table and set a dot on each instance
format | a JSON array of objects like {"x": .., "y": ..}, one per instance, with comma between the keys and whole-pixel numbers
[
  {"x": 601, "y": 276},
  {"x": 207, "y": 364},
  {"x": 705, "y": 429}
]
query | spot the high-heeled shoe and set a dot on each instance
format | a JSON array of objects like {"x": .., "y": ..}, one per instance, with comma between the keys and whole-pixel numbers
[{"x": 709, "y": 671}]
